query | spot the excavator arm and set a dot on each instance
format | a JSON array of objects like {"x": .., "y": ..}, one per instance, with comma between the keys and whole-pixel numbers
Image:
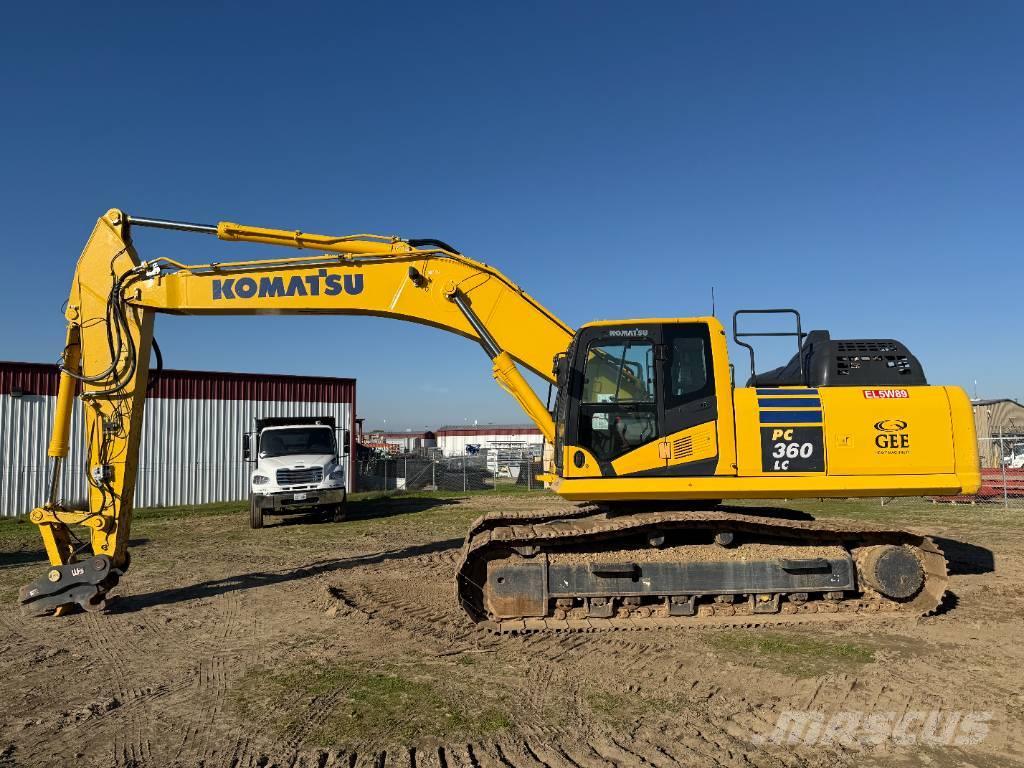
[{"x": 105, "y": 364}]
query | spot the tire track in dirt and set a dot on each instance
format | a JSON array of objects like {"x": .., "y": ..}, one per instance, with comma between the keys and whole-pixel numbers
[
  {"x": 687, "y": 745},
  {"x": 411, "y": 605},
  {"x": 415, "y": 605},
  {"x": 647, "y": 754},
  {"x": 112, "y": 637},
  {"x": 175, "y": 693},
  {"x": 416, "y": 601},
  {"x": 541, "y": 750},
  {"x": 121, "y": 707},
  {"x": 315, "y": 715},
  {"x": 606, "y": 752},
  {"x": 210, "y": 689},
  {"x": 197, "y": 739}
]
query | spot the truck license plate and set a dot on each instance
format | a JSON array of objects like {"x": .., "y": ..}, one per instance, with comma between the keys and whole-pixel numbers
[{"x": 299, "y": 496}]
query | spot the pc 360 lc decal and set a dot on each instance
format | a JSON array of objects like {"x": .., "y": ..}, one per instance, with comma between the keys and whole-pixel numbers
[
  {"x": 319, "y": 283},
  {"x": 792, "y": 449}
]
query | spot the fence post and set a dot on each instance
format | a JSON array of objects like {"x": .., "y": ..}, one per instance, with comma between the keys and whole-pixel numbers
[
  {"x": 433, "y": 473},
  {"x": 1002, "y": 465},
  {"x": 385, "y": 474},
  {"x": 463, "y": 473},
  {"x": 407, "y": 473}
]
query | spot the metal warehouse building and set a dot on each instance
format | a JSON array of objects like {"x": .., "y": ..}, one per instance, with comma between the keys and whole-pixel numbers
[
  {"x": 399, "y": 442},
  {"x": 453, "y": 440},
  {"x": 995, "y": 418},
  {"x": 191, "y": 443}
]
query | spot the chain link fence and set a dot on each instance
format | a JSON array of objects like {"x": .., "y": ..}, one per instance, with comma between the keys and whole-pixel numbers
[
  {"x": 1002, "y": 470},
  {"x": 489, "y": 470},
  {"x": 516, "y": 469},
  {"x": 1002, "y": 475}
]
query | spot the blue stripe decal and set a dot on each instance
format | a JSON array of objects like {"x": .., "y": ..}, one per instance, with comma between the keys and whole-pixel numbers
[
  {"x": 790, "y": 417},
  {"x": 787, "y": 392},
  {"x": 789, "y": 402}
]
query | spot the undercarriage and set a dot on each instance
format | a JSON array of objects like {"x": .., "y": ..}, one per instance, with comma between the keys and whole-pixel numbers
[{"x": 590, "y": 568}]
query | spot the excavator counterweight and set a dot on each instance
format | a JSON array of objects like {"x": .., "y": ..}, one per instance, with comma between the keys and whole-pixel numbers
[{"x": 649, "y": 432}]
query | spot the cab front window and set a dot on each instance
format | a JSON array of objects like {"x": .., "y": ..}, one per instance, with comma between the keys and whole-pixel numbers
[{"x": 618, "y": 409}]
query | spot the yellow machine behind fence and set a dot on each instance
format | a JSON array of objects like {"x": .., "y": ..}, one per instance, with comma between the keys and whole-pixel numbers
[{"x": 647, "y": 426}]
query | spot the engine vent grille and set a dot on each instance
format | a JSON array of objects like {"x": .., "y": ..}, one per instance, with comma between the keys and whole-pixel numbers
[
  {"x": 847, "y": 363},
  {"x": 864, "y": 347},
  {"x": 300, "y": 476},
  {"x": 687, "y": 446},
  {"x": 682, "y": 447}
]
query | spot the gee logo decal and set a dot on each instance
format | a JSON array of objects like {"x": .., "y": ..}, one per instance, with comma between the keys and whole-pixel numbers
[
  {"x": 892, "y": 436},
  {"x": 320, "y": 283}
]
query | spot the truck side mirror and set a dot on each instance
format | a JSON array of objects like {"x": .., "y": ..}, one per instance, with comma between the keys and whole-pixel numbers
[
  {"x": 345, "y": 440},
  {"x": 246, "y": 449}
]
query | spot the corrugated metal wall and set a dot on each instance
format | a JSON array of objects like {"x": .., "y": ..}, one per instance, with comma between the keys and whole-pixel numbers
[
  {"x": 993, "y": 418},
  {"x": 190, "y": 453}
]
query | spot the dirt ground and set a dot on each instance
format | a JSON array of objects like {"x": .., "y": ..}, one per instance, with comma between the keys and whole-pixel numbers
[{"x": 340, "y": 644}]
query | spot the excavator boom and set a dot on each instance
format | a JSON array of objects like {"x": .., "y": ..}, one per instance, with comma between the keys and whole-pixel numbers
[{"x": 110, "y": 313}]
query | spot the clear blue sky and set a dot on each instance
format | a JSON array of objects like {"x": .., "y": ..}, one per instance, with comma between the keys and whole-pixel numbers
[{"x": 863, "y": 162}]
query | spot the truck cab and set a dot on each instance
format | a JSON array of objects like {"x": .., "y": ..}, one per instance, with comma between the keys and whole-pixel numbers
[{"x": 298, "y": 468}]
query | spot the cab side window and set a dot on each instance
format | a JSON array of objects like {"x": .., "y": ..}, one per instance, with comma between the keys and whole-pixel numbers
[{"x": 690, "y": 375}]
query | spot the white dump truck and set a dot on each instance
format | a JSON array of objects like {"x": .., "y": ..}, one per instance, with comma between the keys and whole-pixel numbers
[{"x": 299, "y": 467}]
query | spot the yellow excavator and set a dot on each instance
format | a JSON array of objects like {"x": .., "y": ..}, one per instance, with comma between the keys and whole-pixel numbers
[{"x": 649, "y": 431}]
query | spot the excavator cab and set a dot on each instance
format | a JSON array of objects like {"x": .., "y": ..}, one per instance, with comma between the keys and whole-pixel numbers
[{"x": 629, "y": 389}]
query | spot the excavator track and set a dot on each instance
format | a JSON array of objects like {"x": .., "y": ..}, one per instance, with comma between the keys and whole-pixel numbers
[{"x": 583, "y": 569}]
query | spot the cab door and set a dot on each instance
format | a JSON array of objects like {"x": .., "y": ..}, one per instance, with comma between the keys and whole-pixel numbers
[
  {"x": 688, "y": 380},
  {"x": 642, "y": 402},
  {"x": 612, "y": 409}
]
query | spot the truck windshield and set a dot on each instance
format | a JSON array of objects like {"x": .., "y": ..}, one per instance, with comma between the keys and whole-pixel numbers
[{"x": 295, "y": 441}]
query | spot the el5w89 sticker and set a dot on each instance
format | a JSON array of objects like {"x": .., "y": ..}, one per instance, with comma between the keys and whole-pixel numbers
[{"x": 792, "y": 449}]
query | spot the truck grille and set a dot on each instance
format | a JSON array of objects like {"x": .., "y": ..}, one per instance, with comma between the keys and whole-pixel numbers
[{"x": 300, "y": 476}]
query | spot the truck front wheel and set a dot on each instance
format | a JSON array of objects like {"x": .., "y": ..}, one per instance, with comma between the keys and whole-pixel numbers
[
  {"x": 341, "y": 510},
  {"x": 255, "y": 514}
]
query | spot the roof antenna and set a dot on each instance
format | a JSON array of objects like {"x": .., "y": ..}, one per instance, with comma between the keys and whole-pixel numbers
[{"x": 713, "y": 302}]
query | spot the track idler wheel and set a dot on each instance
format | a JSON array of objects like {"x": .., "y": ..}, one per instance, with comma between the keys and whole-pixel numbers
[{"x": 894, "y": 572}]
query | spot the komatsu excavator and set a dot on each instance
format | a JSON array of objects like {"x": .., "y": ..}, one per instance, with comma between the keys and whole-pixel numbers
[{"x": 648, "y": 429}]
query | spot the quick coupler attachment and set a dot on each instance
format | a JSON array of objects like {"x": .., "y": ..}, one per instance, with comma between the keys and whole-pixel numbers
[{"x": 84, "y": 584}]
